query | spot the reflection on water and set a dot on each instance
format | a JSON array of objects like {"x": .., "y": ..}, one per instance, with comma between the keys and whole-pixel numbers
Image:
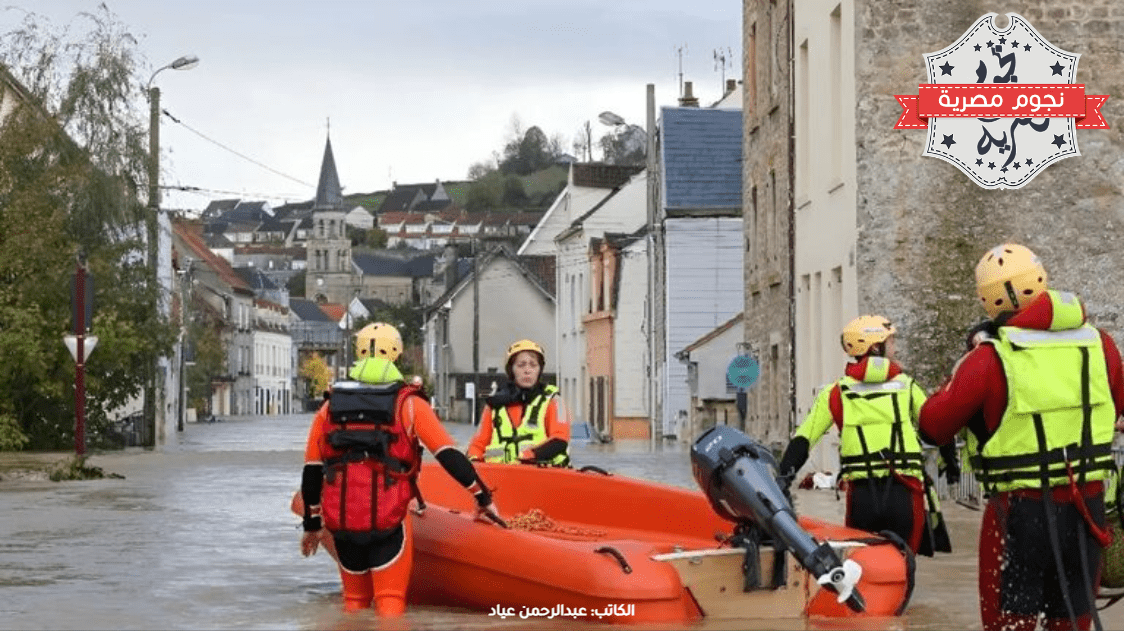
[{"x": 200, "y": 537}]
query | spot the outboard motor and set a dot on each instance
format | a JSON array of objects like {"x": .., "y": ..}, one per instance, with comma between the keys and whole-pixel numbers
[{"x": 738, "y": 476}]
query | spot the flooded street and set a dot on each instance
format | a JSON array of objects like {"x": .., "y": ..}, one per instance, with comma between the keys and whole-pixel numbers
[{"x": 200, "y": 537}]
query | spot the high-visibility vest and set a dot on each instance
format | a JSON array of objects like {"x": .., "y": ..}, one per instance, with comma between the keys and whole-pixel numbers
[
  {"x": 1060, "y": 414},
  {"x": 508, "y": 441},
  {"x": 878, "y": 437}
]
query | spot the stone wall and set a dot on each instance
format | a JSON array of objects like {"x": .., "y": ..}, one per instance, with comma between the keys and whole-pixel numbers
[
  {"x": 767, "y": 212},
  {"x": 923, "y": 225}
]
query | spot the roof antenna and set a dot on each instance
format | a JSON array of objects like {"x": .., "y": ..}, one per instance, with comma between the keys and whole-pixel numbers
[
  {"x": 721, "y": 59},
  {"x": 680, "y": 51}
]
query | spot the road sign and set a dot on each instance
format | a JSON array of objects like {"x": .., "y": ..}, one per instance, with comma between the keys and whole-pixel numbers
[
  {"x": 71, "y": 342},
  {"x": 743, "y": 371}
]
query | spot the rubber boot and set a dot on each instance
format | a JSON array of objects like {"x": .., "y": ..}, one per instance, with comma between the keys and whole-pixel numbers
[
  {"x": 393, "y": 579},
  {"x": 357, "y": 590}
]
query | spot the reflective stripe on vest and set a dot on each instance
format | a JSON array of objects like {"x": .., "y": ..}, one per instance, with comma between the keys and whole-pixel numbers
[
  {"x": 508, "y": 442},
  {"x": 878, "y": 438},
  {"x": 1059, "y": 410}
]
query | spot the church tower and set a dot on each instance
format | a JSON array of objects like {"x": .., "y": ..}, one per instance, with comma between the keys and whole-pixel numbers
[{"x": 329, "y": 275}]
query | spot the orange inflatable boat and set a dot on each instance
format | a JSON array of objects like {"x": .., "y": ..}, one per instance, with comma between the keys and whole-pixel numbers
[{"x": 594, "y": 546}]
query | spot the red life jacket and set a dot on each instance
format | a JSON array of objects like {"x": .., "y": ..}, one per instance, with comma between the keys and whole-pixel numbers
[{"x": 371, "y": 459}]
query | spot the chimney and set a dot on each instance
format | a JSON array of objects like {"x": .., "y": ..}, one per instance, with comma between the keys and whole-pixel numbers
[
  {"x": 731, "y": 85},
  {"x": 688, "y": 99},
  {"x": 450, "y": 266}
]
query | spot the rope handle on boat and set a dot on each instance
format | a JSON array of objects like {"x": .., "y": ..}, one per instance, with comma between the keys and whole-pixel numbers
[
  {"x": 616, "y": 554},
  {"x": 594, "y": 469}
]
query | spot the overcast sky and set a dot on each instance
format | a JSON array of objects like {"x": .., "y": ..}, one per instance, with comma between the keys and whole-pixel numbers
[{"x": 416, "y": 90}]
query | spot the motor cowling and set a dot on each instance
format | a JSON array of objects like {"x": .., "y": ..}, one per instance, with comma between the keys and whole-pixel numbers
[{"x": 739, "y": 478}]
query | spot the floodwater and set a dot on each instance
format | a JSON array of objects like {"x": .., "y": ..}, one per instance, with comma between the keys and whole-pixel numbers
[{"x": 200, "y": 536}]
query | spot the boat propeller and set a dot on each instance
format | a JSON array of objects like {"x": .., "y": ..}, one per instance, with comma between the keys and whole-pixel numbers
[
  {"x": 738, "y": 477},
  {"x": 842, "y": 580}
]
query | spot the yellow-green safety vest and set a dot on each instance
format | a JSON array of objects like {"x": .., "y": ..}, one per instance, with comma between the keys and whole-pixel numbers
[
  {"x": 1060, "y": 414},
  {"x": 508, "y": 442},
  {"x": 878, "y": 437}
]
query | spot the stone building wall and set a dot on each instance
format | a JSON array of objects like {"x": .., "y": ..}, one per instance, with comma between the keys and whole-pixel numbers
[
  {"x": 923, "y": 225},
  {"x": 767, "y": 212}
]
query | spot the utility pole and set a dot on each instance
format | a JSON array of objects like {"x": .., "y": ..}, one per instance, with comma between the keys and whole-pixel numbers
[
  {"x": 80, "y": 357},
  {"x": 475, "y": 322},
  {"x": 653, "y": 245}
]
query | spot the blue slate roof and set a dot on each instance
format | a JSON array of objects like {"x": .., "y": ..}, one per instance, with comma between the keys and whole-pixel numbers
[
  {"x": 702, "y": 158},
  {"x": 307, "y": 310},
  {"x": 393, "y": 265},
  {"x": 255, "y": 279}
]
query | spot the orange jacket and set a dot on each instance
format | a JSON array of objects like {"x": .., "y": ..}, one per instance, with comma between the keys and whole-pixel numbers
[{"x": 557, "y": 426}]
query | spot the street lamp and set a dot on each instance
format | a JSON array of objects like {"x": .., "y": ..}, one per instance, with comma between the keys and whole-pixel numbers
[
  {"x": 633, "y": 137},
  {"x": 610, "y": 119},
  {"x": 186, "y": 62}
]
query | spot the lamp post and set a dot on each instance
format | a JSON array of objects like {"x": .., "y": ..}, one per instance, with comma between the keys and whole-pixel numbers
[
  {"x": 186, "y": 62},
  {"x": 627, "y": 134}
]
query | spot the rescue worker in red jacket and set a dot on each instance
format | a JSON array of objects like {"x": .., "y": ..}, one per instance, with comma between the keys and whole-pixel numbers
[
  {"x": 526, "y": 420},
  {"x": 1039, "y": 391},
  {"x": 361, "y": 463},
  {"x": 874, "y": 406}
]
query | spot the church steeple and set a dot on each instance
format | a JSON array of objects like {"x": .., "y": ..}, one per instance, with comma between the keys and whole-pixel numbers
[{"x": 328, "y": 191}]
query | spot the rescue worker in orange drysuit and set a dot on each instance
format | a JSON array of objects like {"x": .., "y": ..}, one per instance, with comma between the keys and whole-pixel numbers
[{"x": 361, "y": 464}]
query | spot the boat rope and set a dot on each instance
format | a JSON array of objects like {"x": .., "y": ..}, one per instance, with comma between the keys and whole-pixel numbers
[
  {"x": 535, "y": 520},
  {"x": 594, "y": 469}
]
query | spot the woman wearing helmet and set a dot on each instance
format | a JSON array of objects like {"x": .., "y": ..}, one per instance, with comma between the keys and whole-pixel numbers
[
  {"x": 360, "y": 474},
  {"x": 875, "y": 406},
  {"x": 525, "y": 421},
  {"x": 1038, "y": 392}
]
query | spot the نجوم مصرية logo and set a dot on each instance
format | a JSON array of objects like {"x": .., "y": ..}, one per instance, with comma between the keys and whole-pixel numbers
[{"x": 1001, "y": 105}]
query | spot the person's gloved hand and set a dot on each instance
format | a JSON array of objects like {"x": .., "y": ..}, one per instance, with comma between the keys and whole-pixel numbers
[
  {"x": 784, "y": 481},
  {"x": 486, "y": 509},
  {"x": 985, "y": 330}
]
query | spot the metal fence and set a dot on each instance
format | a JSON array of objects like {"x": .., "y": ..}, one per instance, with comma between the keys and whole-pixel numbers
[{"x": 968, "y": 491}]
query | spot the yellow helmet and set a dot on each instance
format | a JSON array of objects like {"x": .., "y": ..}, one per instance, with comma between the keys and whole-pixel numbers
[
  {"x": 378, "y": 340},
  {"x": 863, "y": 332},
  {"x": 1008, "y": 278},
  {"x": 520, "y": 346}
]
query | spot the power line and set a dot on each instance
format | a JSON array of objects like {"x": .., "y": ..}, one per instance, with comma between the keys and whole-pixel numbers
[
  {"x": 235, "y": 152},
  {"x": 199, "y": 190}
]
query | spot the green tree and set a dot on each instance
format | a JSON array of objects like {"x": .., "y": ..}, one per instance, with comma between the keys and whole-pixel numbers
[
  {"x": 485, "y": 193},
  {"x": 527, "y": 153},
  {"x": 72, "y": 160},
  {"x": 210, "y": 361},
  {"x": 514, "y": 194}
]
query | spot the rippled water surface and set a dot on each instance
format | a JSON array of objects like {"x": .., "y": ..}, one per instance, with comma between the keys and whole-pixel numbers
[{"x": 200, "y": 537}]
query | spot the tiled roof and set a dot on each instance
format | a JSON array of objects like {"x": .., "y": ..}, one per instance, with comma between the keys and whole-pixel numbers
[
  {"x": 702, "y": 158},
  {"x": 199, "y": 250},
  {"x": 333, "y": 310},
  {"x": 599, "y": 175}
]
